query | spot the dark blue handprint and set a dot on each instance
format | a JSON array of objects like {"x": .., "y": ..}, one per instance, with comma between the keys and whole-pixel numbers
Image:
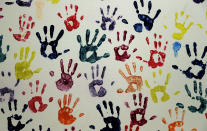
[
  {"x": 195, "y": 62},
  {"x": 144, "y": 18},
  {"x": 23, "y": 3},
  {"x": 108, "y": 19},
  {"x": 198, "y": 1},
  {"x": 90, "y": 48},
  {"x": 15, "y": 118},
  {"x": 112, "y": 122},
  {"x": 53, "y": 43},
  {"x": 40, "y": 128},
  {"x": 2, "y": 55},
  {"x": 199, "y": 96}
]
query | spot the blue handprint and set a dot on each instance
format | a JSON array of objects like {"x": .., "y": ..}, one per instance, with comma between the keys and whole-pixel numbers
[{"x": 21, "y": 3}]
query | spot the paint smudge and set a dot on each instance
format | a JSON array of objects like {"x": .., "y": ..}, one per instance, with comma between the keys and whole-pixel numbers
[
  {"x": 1, "y": 16},
  {"x": 16, "y": 118},
  {"x": 3, "y": 55},
  {"x": 176, "y": 48},
  {"x": 145, "y": 19},
  {"x": 181, "y": 26},
  {"x": 198, "y": 95},
  {"x": 157, "y": 55},
  {"x": 161, "y": 88},
  {"x": 132, "y": 79},
  {"x": 96, "y": 85},
  {"x": 196, "y": 62},
  {"x": 90, "y": 48},
  {"x": 36, "y": 98},
  {"x": 123, "y": 47},
  {"x": 65, "y": 116},
  {"x": 39, "y": 9},
  {"x": 111, "y": 120},
  {"x": 22, "y": 68},
  {"x": 66, "y": 81},
  {"x": 140, "y": 109},
  {"x": 71, "y": 22},
  {"x": 25, "y": 25},
  {"x": 53, "y": 43},
  {"x": 108, "y": 21}
]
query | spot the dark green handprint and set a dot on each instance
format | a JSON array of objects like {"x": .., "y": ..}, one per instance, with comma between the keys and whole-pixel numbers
[{"x": 2, "y": 55}]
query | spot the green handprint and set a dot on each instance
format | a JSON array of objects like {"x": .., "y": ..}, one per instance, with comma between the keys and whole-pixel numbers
[
  {"x": 2, "y": 55},
  {"x": 22, "y": 69}
]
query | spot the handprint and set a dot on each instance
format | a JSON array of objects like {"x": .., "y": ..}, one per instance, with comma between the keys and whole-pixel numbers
[
  {"x": 160, "y": 88},
  {"x": 71, "y": 22},
  {"x": 15, "y": 117},
  {"x": 131, "y": 79},
  {"x": 197, "y": 96},
  {"x": 53, "y": 43},
  {"x": 196, "y": 62},
  {"x": 2, "y": 55},
  {"x": 22, "y": 68},
  {"x": 39, "y": 9},
  {"x": 123, "y": 47},
  {"x": 108, "y": 22},
  {"x": 54, "y": 1},
  {"x": 40, "y": 128},
  {"x": 72, "y": 129},
  {"x": 37, "y": 98},
  {"x": 198, "y": 1},
  {"x": 144, "y": 18},
  {"x": 157, "y": 55},
  {"x": 66, "y": 81},
  {"x": 181, "y": 26},
  {"x": 139, "y": 110},
  {"x": 25, "y": 24},
  {"x": 97, "y": 82},
  {"x": 1, "y": 16},
  {"x": 175, "y": 124},
  {"x": 112, "y": 121},
  {"x": 90, "y": 48},
  {"x": 176, "y": 48},
  {"x": 23, "y": 3},
  {"x": 65, "y": 115}
]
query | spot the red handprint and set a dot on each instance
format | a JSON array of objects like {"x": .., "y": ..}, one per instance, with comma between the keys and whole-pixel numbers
[
  {"x": 71, "y": 22},
  {"x": 25, "y": 24},
  {"x": 157, "y": 55}
]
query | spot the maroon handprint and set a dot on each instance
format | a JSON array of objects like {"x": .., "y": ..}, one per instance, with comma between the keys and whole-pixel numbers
[
  {"x": 157, "y": 55},
  {"x": 25, "y": 24},
  {"x": 71, "y": 22}
]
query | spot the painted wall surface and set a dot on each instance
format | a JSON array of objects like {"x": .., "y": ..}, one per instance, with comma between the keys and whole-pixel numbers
[{"x": 103, "y": 65}]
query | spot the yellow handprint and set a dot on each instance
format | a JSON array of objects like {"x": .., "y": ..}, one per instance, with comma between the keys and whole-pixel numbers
[
  {"x": 181, "y": 26},
  {"x": 22, "y": 69},
  {"x": 54, "y": 1}
]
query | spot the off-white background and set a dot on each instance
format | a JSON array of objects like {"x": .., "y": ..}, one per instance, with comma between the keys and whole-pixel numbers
[{"x": 90, "y": 10}]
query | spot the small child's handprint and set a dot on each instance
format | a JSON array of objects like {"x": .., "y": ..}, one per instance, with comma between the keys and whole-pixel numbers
[
  {"x": 66, "y": 81},
  {"x": 132, "y": 79},
  {"x": 198, "y": 1},
  {"x": 54, "y": 1},
  {"x": 196, "y": 62},
  {"x": 160, "y": 88},
  {"x": 175, "y": 123},
  {"x": 97, "y": 82},
  {"x": 3, "y": 55},
  {"x": 90, "y": 48},
  {"x": 111, "y": 120},
  {"x": 123, "y": 47},
  {"x": 53, "y": 43},
  {"x": 25, "y": 24},
  {"x": 139, "y": 110},
  {"x": 72, "y": 129},
  {"x": 22, "y": 68},
  {"x": 198, "y": 96},
  {"x": 21, "y": 3},
  {"x": 144, "y": 17},
  {"x": 181, "y": 26},
  {"x": 37, "y": 98},
  {"x": 65, "y": 115},
  {"x": 107, "y": 20},
  {"x": 1, "y": 16},
  {"x": 40, "y": 128},
  {"x": 157, "y": 54},
  {"x": 15, "y": 117},
  {"x": 71, "y": 22},
  {"x": 39, "y": 9}
]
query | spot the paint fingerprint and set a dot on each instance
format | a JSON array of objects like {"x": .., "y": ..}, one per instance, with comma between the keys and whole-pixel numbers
[{"x": 176, "y": 48}]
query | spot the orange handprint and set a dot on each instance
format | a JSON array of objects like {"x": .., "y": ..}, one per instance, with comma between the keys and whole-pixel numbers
[{"x": 65, "y": 116}]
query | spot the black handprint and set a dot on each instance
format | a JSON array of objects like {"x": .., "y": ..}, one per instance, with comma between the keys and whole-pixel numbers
[
  {"x": 21, "y": 3},
  {"x": 52, "y": 43},
  {"x": 202, "y": 99},
  {"x": 112, "y": 123},
  {"x": 16, "y": 118},
  {"x": 84, "y": 50},
  {"x": 40, "y": 128},
  {"x": 196, "y": 62},
  {"x": 146, "y": 19}
]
